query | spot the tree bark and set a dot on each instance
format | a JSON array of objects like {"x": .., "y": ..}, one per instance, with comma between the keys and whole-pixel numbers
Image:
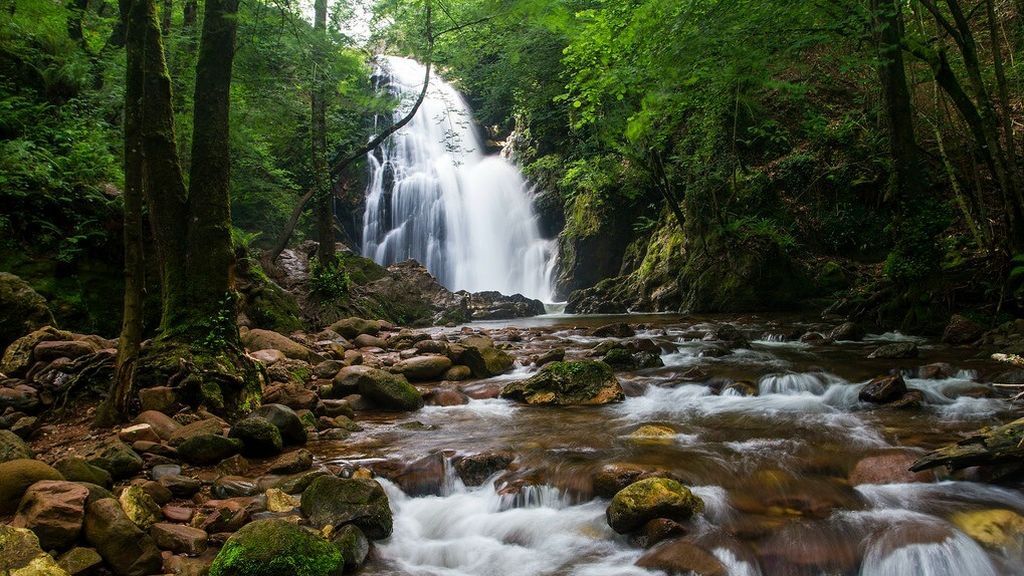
[
  {"x": 166, "y": 14},
  {"x": 117, "y": 406},
  {"x": 324, "y": 208},
  {"x": 907, "y": 175}
]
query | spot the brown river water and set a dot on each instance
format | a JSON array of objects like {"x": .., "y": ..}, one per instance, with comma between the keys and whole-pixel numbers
[{"x": 776, "y": 471}]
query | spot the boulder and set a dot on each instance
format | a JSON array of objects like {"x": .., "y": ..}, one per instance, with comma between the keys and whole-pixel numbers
[
  {"x": 612, "y": 478},
  {"x": 158, "y": 399},
  {"x": 79, "y": 559},
  {"x": 290, "y": 394},
  {"x": 51, "y": 350},
  {"x": 259, "y": 437},
  {"x": 197, "y": 428},
  {"x": 137, "y": 433},
  {"x": 387, "y": 391},
  {"x": 962, "y": 330},
  {"x": 368, "y": 341},
  {"x": 280, "y": 501},
  {"x": 353, "y": 544},
  {"x": 996, "y": 529},
  {"x": 423, "y": 368},
  {"x": 332, "y": 501},
  {"x": 207, "y": 449},
  {"x": 22, "y": 309},
  {"x": 682, "y": 557},
  {"x": 179, "y": 539},
  {"x": 161, "y": 423},
  {"x": 276, "y": 547},
  {"x": 54, "y": 510},
  {"x": 895, "y": 351},
  {"x": 651, "y": 498},
  {"x": 847, "y": 331},
  {"x": 883, "y": 390},
  {"x": 350, "y": 328},
  {"x": 891, "y": 468},
  {"x": 482, "y": 358},
  {"x": 15, "y": 478},
  {"x": 475, "y": 469},
  {"x": 268, "y": 357},
  {"x": 553, "y": 355},
  {"x": 180, "y": 486},
  {"x": 21, "y": 555},
  {"x": 583, "y": 382},
  {"x": 139, "y": 507},
  {"x": 17, "y": 357},
  {"x": 292, "y": 462},
  {"x": 257, "y": 339},
  {"x": 77, "y": 469},
  {"x": 12, "y": 447},
  {"x": 616, "y": 330},
  {"x": 115, "y": 457},
  {"x": 126, "y": 548},
  {"x": 293, "y": 431}
]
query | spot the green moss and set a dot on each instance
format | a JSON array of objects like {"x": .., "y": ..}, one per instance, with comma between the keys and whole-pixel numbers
[{"x": 276, "y": 548}]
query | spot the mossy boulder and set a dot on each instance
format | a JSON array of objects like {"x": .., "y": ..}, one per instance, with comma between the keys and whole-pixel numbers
[
  {"x": 15, "y": 478},
  {"x": 21, "y": 554},
  {"x": 387, "y": 391},
  {"x": 140, "y": 507},
  {"x": 352, "y": 327},
  {"x": 126, "y": 548},
  {"x": 353, "y": 544},
  {"x": 481, "y": 357},
  {"x": 206, "y": 449},
  {"x": 293, "y": 431},
  {"x": 258, "y": 339},
  {"x": 423, "y": 368},
  {"x": 12, "y": 447},
  {"x": 651, "y": 498},
  {"x": 115, "y": 457},
  {"x": 22, "y": 309},
  {"x": 332, "y": 501},
  {"x": 259, "y": 437},
  {"x": 276, "y": 547},
  {"x": 583, "y": 382},
  {"x": 18, "y": 355}
]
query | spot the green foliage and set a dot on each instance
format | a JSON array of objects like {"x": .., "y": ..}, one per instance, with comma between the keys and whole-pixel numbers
[{"x": 330, "y": 281}]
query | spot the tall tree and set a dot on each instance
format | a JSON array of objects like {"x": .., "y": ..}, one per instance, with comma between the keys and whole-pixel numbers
[{"x": 324, "y": 208}]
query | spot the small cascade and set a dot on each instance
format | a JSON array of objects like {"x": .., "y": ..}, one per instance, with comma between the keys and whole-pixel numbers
[{"x": 434, "y": 196}]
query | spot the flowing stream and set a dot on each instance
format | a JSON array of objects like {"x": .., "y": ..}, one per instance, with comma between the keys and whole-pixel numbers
[
  {"x": 435, "y": 197},
  {"x": 781, "y": 473}
]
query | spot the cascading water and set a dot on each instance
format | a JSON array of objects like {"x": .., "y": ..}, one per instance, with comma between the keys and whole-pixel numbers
[{"x": 435, "y": 197}]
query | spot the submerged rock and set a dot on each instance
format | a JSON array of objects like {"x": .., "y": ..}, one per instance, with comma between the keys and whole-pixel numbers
[
  {"x": 645, "y": 500},
  {"x": 277, "y": 547},
  {"x": 682, "y": 557},
  {"x": 583, "y": 382}
]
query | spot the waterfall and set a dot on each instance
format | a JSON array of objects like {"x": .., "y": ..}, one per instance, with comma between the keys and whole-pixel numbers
[{"x": 434, "y": 196}]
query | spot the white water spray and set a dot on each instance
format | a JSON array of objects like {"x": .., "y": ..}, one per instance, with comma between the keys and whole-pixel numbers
[{"x": 435, "y": 197}]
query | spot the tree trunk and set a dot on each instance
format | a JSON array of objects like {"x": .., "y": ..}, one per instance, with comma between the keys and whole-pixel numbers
[
  {"x": 166, "y": 14},
  {"x": 907, "y": 176},
  {"x": 324, "y": 208},
  {"x": 117, "y": 406}
]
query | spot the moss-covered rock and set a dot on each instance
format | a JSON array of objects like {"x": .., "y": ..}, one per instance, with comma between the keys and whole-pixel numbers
[
  {"x": 651, "y": 498},
  {"x": 257, "y": 339},
  {"x": 277, "y": 548},
  {"x": 115, "y": 457},
  {"x": 22, "y": 309},
  {"x": 126, "y": 548},
  {"x": 352, "y": 327},
  {"x": 18, "y": 355},
  {"x": 258, "y": 435},
  {"x": 293, "y": 431},
  {"x": 21, "y": 555},
  {"x": 15, "y": 478},
  {"x": 207, "y": 449},
  {"x": 332, "y": 501},
  {"x": 12, "y": 447},
  {"x": 353, "y": 544},
  {"x": 388, "y": 391},
  {"x": 583, "y": 382},
  {"x": 481, "y": 357},
  {"x": 996, "y": 529},
  {"x": 140, "y": 507}
]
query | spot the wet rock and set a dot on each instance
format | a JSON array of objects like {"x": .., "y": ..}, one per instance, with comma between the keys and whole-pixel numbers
[
  {"x": 892, "y": 468},
  {"x": 651, "y": 498},
  {"x": 883, "y": 390},
  {"x": 616, "y": 330},
  {"x": 179, "y": 514},
  {"x": 612, "y": 478},
  {"x": 227, "y": 487},
  {"x": 431, "y": 347},
  {"x": 292, "y": 462},
  {"x": 996, "y": 529},
  {"x": 423, "y": 368},
  {"x": 21, "y": 555},
  {"x": 936, "y": 371},
  {"x": 280, "y": 501},
  {"x": 740, "y": 388},
  {"x": 276, "y": 547},
  {"x": 496, "y": 306},
  {"x": 259, "y": 437},
  {"x": 849, "y": 331},
  {"x": 583, "y": 382},
  {"x": 422, "y": 477},
  {"x": 331, "y": 501},
  {"x": 297, "y": 483},
  {"x": 220, "y": 516},
  {"x": 653, "y": 432},
  {"x": 353, "y": 545},
  {"x": 659, "y": 530},
  {"x": 728, "y": 335},
  {"x": 912, "y": 400},
  {"x": 207, "y": 449},
  {"x": 896, "y": 351},
  {"x": 291, "y": 394},
  {"x": 679, "y": 557},
  {"x": 179, "y": 539},
  {"x": 197, "y": 428},
  {"x": 368, "y": 341},
  {"x": 291, "y": 428},
  {"x": 482, "y": 358},
  {"x": 12, "y": 447},
  {"x": 161, "y": 423},
  {"x": 445, "y": 397},
  {"x": 181, "y": 486},
  {"x": 458, "y": 374},
  {"x": 353, "y": 327},
  {"x": 140, "y": 507},
  {"x": 54, "y": 511},
  {"x": 475, "y": 469},
  {"x": 333, "y": 408},
  {"x": 126, "y": 548},
  {"x": 813, "y": 338},
  {"x": 78, "y": 560},
  {"x": 695, "y": 374},
  {"x": 962, "y": 330},
  {"x": 257, "y": 339},
  {"x": 15, "y": 478},
  {"x": 388, "y": 391},
  {"x": 553, "y": 355}
]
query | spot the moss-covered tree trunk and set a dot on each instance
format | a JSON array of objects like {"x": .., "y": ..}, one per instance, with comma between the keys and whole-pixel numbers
[{"x": 324, "y": 205}]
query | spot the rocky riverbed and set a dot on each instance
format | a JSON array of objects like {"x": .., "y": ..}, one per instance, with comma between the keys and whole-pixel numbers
[{"x": 553, "y": 445}]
